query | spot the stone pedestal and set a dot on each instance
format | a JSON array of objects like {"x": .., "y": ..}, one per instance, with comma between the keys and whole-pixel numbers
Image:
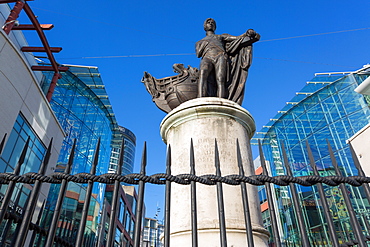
[{"x": 204, "y": 120}]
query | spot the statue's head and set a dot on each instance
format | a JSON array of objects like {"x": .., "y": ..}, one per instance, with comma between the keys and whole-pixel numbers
[{"x": 209, "y": 24}]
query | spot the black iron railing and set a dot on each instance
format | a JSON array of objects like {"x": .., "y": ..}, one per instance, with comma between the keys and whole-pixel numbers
[{"x": 141, "y": 179}]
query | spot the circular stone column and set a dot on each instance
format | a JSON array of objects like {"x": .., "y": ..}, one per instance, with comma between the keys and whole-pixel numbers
[{"x": 203, "y": 120}]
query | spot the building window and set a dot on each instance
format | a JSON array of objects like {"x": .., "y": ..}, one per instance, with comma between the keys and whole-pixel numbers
[{"x": 14, "y": 146}]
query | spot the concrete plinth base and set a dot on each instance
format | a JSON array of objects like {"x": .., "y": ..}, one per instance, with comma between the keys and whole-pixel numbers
[{"x": 203, "y": 120}]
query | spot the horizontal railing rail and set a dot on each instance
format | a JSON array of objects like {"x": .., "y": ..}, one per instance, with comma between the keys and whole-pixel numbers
[{"x": 184, "y": 179}]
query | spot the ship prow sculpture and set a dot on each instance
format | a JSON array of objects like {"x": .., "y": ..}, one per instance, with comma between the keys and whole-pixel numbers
[
  {"x": 223, "y": 71},
  {"x": 169, "y": 92}
]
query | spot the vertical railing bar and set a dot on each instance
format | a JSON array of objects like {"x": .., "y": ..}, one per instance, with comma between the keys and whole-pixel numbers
[
  {"x": 297, "y": 207},
  {"x": 167, "y": 200},
  {"x": 2, "y": 143},
  {"x": 27, "y": 215},
  {"x": 342, "y": 237},
  {"x": 366, "y": 221},
  {"x": 42, "y": 225},
  {"x": 349, "y": 241},
  {"x": 193, "y": 198},
  {"x": 85, "y": 209},
  {"x": 8, "y": 225},
  {"x": 360, "y": 172},
  {"x": 271, "y": 206},
  {"x": 352, "y": 216},
  {"x": 101, "y": 228},
  {"x": 243, "y": 187},
  {"x": 220, "y": 200},
  {"x": 58, "y": 207},
  {"x": 115, "y": 199},
  {"x": 324, "y": 201},
  {"x": 8, "y": 194},
  {"x": 37, "y": 223},
  {"x": 140, "y": 201}
]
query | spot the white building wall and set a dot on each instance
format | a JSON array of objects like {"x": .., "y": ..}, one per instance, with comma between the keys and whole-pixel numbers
[
  {"x": 20, "y": 93},
  {"x": 361, "y": 144}
]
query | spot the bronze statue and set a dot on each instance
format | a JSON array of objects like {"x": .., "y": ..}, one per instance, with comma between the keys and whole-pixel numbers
[
  {"x": 223, "y": 71},
  {"x": 225, "y": 62}
]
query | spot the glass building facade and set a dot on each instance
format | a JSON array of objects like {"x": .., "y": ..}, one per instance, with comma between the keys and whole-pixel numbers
[
  {"x": 327, "y": 108},
  {"x": 129, "y": 151},
  {"x": 8, "y": 159},
  {"x": 152, "y": 233},
  {"x": 81, "y": 104},
  {"x": 125, "y": 221}
]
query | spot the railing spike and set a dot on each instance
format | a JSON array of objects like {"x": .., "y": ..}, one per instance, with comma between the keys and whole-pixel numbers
[
  {"x": 220, "y": 200},
  {"x": 59, "y": 203},
  {"x": 140, "y": 201},
  {"x": 274, "y": 224},
  {"x": 297, "y": 206},
  {"x": 167, "y": 220},
  {"x": 11, "y": 185},
  {"x": 85, "y": 209},
  {"x": 324, "y": 201},
  {"x": 27, "y": 216},
  {"x": 193, "y": 199},
  {"x": 244, "y": 192},
  {"x": 115, "y": 199},
  {"x": 352, "y": 216}
]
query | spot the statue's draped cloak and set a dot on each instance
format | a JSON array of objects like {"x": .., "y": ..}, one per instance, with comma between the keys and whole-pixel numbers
[
  {"x": 240, "y": 55},
  {"x": 239, "y": 52}
]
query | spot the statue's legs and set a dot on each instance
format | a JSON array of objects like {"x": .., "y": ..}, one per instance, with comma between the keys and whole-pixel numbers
[
  {"x": 221, "y": 70},
  {"x": 206, "y": 67}
]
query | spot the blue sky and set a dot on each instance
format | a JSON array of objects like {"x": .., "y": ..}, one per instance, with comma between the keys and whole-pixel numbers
[{"x": 126, "y": 38}]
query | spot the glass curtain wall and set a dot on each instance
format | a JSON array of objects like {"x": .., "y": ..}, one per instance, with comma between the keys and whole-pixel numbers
[
  {"x": 81, "y": 105},
  {"x": 327, "y": 108},
  {"x": 8, "y": 160}
]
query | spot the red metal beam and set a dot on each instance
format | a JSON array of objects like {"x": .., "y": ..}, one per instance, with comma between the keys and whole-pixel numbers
[
  {"x": 52, "y": 86},
  {"x": 42, "y": 36},
  {"x": 13, "y": 16},
  {"x": 21, "y": 4},
  {"x": 49, "y": 68},
  {"x": 40, "y": 49},
  {"x": 31, "y": 27},
  {"x": 10, "y": 1},
  {"x": 45, "y": 43}
]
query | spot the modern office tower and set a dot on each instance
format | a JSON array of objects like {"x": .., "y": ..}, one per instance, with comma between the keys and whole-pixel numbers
[
  {"x": 129, "y": 151},
  {"x": 24, "y": 113},
  {"x": 327, "y": 108},
  {"x": 153, "y": 230},
  {"x": 82, "y": 107},
  {"x": 125, "y": 221}
]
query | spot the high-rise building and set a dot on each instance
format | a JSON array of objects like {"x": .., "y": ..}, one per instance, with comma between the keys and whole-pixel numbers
[
  {"x": 152, "y": 233},
  {"x": 125, "y": 220},
  {"x": 327, "y": 108},
  {"x": 129, "y": 151}
]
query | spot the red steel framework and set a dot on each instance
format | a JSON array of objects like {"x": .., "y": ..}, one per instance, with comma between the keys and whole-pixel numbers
[{"x": 10, "y": 25}]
